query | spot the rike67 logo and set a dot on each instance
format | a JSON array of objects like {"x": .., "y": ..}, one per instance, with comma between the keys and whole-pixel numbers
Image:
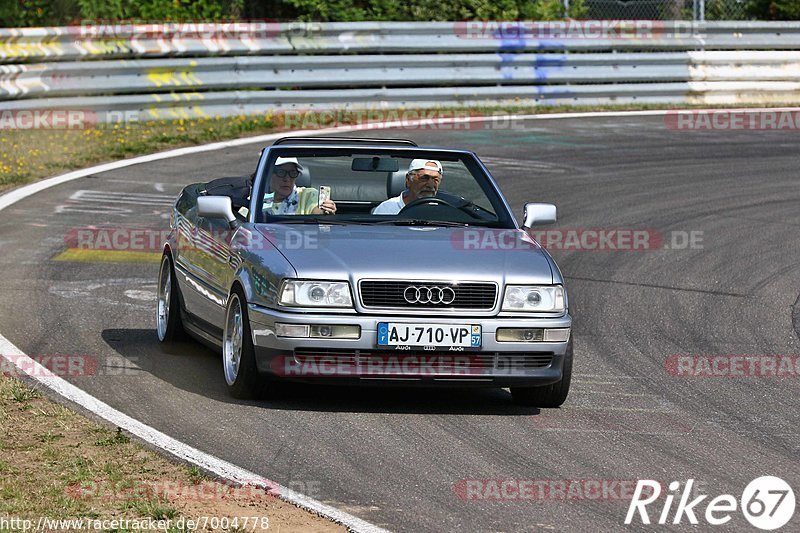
[{"x": 767, "y": 502}]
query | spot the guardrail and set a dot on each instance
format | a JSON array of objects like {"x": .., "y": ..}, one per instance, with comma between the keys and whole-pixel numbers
[{"x": 173, "y": 71}]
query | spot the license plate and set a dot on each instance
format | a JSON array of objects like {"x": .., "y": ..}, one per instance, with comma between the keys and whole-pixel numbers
[{"x": 446, "y": 335}]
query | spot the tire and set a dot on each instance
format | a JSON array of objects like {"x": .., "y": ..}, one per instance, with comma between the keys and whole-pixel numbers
[
  {"x": 238, "y": 355},
  {"x": 549, "y": 395},
  {"x": 169, "y": 326}
]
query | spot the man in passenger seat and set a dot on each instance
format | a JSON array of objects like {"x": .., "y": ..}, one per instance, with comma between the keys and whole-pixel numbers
[{"x": 285, "y": 198}]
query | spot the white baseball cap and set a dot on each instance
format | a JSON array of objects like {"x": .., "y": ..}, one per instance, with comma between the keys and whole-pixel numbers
[
  {"x": 425, "y": 164},
  {"x": 287, "y": 160}
]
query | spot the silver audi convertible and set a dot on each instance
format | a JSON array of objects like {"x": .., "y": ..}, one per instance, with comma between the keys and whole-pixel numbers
[{"x": 371, "y": 262}]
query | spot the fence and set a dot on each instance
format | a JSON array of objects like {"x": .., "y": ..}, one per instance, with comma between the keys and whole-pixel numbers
[
  {"x": 218, "y": 70},
  {"x": 698, "y": 10}
]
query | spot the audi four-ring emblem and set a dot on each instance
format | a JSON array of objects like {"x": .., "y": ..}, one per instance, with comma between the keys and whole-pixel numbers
[{"x": 429, "y": 295}]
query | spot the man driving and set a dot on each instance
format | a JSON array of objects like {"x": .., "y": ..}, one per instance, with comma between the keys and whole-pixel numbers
[{"x": 422, "y": 181}]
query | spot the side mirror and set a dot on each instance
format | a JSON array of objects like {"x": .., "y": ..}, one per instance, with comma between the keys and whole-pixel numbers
[
  {"x": 537, "y": 214},
  {"x": 216, "y": 207}
]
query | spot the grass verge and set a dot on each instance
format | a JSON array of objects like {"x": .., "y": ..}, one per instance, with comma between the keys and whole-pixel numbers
[{"x": 59, "y": 465}]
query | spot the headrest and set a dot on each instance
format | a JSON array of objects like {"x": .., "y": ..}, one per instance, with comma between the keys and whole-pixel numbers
[
  {"x": 396, "y": 183},
  {"x": 304, "y": 179}
]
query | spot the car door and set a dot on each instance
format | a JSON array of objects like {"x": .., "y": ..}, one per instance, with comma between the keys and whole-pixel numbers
[{"x": 208, "y": 258}]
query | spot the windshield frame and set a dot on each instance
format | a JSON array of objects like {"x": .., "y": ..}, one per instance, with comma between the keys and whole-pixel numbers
[{"x": 474, "y": 166}]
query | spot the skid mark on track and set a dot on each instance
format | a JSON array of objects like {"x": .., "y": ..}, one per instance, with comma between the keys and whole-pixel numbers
[
  {"x": 654, "y": 286},
  {"x": 619, "y": 405},
  {"x": 796, "y": 316},
  {"x": 102, "y": 292},
  {"x": 617, "y": 421},
  {"x": 540, "y": 167},
  {"x": 112, "y": 203}
]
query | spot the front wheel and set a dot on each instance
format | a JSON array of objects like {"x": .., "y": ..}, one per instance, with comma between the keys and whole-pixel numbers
[
  {"x": 168, "y": 313},
  {"x": 549, "y": 395},
  {"x": 238, "y": 355}
]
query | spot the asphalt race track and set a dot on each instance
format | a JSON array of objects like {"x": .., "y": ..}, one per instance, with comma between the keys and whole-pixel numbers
[{"x": 401, "y": 458}]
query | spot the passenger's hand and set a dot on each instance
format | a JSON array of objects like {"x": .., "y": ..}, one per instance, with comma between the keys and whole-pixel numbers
[{"x": 328, "y": 207}]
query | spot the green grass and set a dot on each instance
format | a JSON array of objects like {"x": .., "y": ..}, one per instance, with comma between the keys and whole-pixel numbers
[
  {"x": 153, "y": 508},
  {"x": 195, "y": 476},
  {"x": 49, "y": 437},
  {"x": 117, "y": 438},
  {"x": 18, "y": 391}
]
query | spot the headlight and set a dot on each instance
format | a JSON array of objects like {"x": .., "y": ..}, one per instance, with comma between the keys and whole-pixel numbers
[
  {"x": 299, "y": 293},
  {"x": 543, "y": 299}
]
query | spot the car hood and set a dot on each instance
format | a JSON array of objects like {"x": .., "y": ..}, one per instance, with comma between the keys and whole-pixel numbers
[{"x": 354, "y": 252}]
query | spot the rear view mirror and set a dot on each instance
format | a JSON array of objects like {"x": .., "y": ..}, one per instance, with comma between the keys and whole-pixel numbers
[
  {"x": 537, "y": 214},
  {"x": 375, "y": 164}
]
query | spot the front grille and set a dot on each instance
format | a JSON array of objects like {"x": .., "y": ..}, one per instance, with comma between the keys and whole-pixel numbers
[
  {"x": 421, "y": 363},
  {"x": 473, "y": 295},
  {"x": 518, "y": 361},
  {"x": 317, "y": 355},
  {"x": 448, "y": 362}
]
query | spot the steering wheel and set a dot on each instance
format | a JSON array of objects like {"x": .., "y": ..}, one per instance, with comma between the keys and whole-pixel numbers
[{"x": 430, "y": 200}]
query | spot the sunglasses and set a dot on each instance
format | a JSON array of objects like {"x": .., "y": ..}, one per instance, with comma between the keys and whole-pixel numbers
[{"x": 281, "y": 173}]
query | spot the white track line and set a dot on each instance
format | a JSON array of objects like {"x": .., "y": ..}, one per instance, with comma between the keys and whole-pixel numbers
[
  {"x": 224, "y": 469},
  {"x": 16, "y": 195}
]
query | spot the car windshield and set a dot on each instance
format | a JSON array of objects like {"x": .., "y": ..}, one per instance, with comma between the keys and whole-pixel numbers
[{"x": 378, "y": 187}]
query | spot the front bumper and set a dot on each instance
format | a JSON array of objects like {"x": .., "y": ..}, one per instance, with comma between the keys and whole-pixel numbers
[{"x": 361, "y": 361}]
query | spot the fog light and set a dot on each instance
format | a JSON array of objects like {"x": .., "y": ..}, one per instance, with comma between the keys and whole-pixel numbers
[
  {"x": 519, "y": 335},
  {"x": 291, "y": 330},
  {"x": 556, "y": 335},
  {"x": 532, "y": 335},
  {"x": 324, "y": 331},
  {"x": 336, "y": 332}
]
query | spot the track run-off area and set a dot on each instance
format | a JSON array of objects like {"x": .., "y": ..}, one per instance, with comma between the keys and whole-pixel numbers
[{"x": 685, "y": 335}]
